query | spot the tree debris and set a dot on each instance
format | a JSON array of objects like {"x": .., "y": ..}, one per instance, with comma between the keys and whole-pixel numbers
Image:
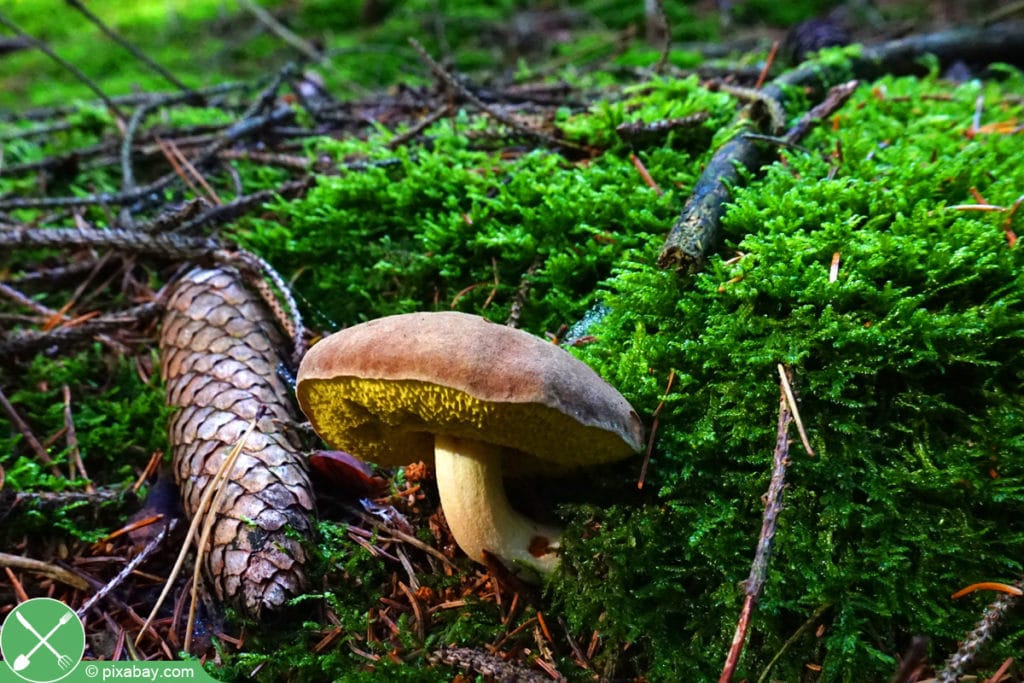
[{"x": 696, "y": 232}]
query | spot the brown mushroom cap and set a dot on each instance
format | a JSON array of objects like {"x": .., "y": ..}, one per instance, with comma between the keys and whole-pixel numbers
[{"x": 383, "y": 388}]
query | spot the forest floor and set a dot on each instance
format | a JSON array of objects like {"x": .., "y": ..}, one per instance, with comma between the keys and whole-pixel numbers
[{"x": 733, "y": 229}]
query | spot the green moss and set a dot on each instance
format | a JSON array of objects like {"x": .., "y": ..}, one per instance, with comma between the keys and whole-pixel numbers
[
  {"x": 908, "y": 363},
  {"x": 113, "y": 409},
  {"x": 908, "y": 366},
  {"x": 114, "y": 414},
  {"x": 455, "y": 226}
]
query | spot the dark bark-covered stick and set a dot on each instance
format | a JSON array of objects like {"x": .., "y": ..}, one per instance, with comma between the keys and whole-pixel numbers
[
  {"x": 229, "y": 211},
  {"x": 464, "y": 92},
  {"x": 168, "y": 245},
  {"x": 245, "y": 127},
  {"x": 754, "y": 584},
  {"x": 29, "y": 341},
  {"x": 836, "y": 98},
  {"x": 47, "y": 502},
  {"x": 696, "y": 231},
  {"x": 420, "y": 126}
]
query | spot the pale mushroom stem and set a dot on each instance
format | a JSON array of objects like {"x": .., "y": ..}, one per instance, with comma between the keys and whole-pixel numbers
[{"x": 478, "y": 512}]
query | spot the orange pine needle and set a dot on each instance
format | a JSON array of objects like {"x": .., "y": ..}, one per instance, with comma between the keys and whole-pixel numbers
[
  {"x": 1011, "y": 236},
  {"x": 763, "y": 76},
  {"x": 988, "y": 586},
  {"x": 19, "y": 590},
  {"x": 642, "y": 170},
  {"x": 544, "y": 627},
  {"x": 132, "y": 526}
]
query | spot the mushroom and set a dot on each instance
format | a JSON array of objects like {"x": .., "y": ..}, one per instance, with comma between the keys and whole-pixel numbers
[{"x": 477, "y": 398}]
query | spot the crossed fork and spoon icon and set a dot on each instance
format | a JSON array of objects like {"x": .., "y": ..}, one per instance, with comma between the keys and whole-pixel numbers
[{"x": 23, "y": 660}]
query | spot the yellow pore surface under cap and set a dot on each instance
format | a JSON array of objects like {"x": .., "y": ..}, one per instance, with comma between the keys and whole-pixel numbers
[{"x": 392, "y": 422}]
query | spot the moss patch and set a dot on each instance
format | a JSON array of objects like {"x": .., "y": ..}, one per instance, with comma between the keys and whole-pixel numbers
[
  {"x": 908, "y": 364},
  {"x": 907, "y": 361}
]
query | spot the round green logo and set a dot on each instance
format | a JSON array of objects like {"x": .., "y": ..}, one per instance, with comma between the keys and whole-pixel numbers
[{"x": 42, "y": 640}]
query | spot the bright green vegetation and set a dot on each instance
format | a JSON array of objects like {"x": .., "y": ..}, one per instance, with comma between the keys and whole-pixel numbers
[
  {"x": 113, "y": 412},
  {"x": 908, "y": 364},
  {"x": 205, "y": 42},
  {"x": 909, "y": 369}
]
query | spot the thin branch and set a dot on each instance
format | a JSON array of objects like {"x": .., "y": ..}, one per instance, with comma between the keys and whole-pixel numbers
[
  {"x": 834, "y": 100},
  {"x": 123, "y": 42},
  {"x": 30, "y": 341},
  {"x": 959, "y": 661},
  {"x": 664, "y": 28},
  {"x": 26, "y": 301},
  {"x": 419, "y": 127},
  {"x": 45, "y": 568},
  {"x": 243, "y": 128},
  {"x": 224, "y": 213},
  {"x": 168, "y": 245},
  {"x": 696, "y": 232},
  {"x": 754, "y": 584},
  {"x": 281, "y": 31},
  {"x": 150, "y": 548},
  {"x": 400, "y": 535},
  {"x": 45, "y": 49},
  {"x": 490, "y": 665},
  {"x": 26, "y": 432},
  {"x": 49, "y": 501},
  {"x": 464, "y": 92}
]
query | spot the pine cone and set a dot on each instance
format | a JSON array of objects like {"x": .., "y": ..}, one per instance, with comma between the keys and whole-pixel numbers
[{"x": 220, "y": 349}]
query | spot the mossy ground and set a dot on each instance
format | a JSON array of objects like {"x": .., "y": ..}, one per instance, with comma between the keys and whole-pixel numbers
[{"x": 908, "y": 363}]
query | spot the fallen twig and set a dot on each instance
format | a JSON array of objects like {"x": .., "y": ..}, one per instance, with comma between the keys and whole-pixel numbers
[
  {"x": 696, "y": 231},
  {"x": 420, "y": 126},
  {"x": 38, "y": 567},
  {"x": 153, "y": 544},
  {"x": 281, "y": 31},
  {"x": 959, "y": 661},
  {"x": 754, "y": 584},
  {"x": 464, "y": 92},
  {"x": 30, "y": 341},
  {"x": 45, "y": 49},
  {"x": 27, "y": 434},
  {"x": 834, "y": 99},
  {"x": 126, "y": 44},
  {"x": 482, "y": 662},
  {"x": 243, "y": 128}
]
